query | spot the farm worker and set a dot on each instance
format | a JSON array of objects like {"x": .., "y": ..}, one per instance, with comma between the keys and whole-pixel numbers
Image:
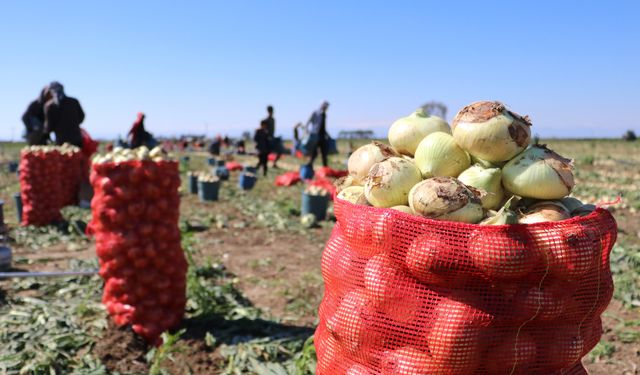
[
  {"x": 276, "y": 142},
  {"x": 138, "y": 135},
  {"x": 33, "y": 119},
  {"x": 263, "y": 145},
  {"x": 62, "y": 116},
  {"x": 296, "y": 138},
  {"x": 318, "y": 129}
]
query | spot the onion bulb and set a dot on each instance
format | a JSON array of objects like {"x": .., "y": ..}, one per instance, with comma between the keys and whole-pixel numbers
[
  {"x": 389, "y": 182},
  {"x": 362, "y": 159},
  {"x": 488, "y": 180},
  {"x": 487, "y": 130},
  {"x": 406, "y": 132},
  {"x": 446, "y": 198},
  {"x": 544, "y": 212},
  {"x": 538, "y": 173},
  {"x": 439, "y": 155},
  {"x": 402, "y": 208},
  {"x": 344, "y": 182},
  {"x": 351, "y": 194}
]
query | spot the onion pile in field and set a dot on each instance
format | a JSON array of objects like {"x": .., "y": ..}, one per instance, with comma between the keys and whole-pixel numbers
[
  {"x": 418, "y": 287},
  {"x": 135, "y": 213},
  {"x": 465, "y": 172},
  {"x": 50, "y": 178}
]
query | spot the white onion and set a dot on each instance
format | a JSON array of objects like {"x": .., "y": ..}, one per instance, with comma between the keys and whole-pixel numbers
[
  {"x": 389, "y": 181},
  {"x": 406, "y": 132},
  {"x": 439, "y": 155},
  {"x": 446, "y": 198},
  {"x": 489, "y": 131},
  {"x": 487, "y": 180},
  {"x": 544, "y": 212},
  {"x": 362, "y": 159},
  {"x": 402, "y": 208},
  {"x": 538, "y": 173},
  {"x": 351, "y": 194}
]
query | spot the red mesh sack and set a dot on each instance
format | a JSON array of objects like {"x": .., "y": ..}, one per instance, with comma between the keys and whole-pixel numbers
[
  {"x": 233, "y": 166},
  {"x": 40, "y": 187},
  {"x": 330, "y": 172},
  {"x": 411, "y": 295},
  {"x": 135, "y": 223},
  {"x": 287, "y": 179},
  {"x": 71, "y": 173},
  {"x": 89, "y": 145}
]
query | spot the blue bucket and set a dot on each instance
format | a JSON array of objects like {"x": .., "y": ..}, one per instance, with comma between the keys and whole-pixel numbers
[
  {"x": 193, "y": 184},
  {"x": 250, "y": 169},
  {"x": 208, "y": 191},
  {"x": 211, "y": 161},
  {"x": 306, "y": 172},
  {"x": 316, "y": 205},
  {"x": 13, "y": 166},
  {"x": 18, "y": 198},
  {"x": 221, "y": 163},
  {"x": 222, "y": 173},
  {"x": 247, "y": 181}
]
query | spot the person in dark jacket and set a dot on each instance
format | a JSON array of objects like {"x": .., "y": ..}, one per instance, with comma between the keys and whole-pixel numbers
[
  {"x": 263, "y": 145},
  {"x": 276, "y": 142},
  {"x": 318, "y": 122},
  {"x": 63, "y": 116},
  {"x": 33, "y": 119}
]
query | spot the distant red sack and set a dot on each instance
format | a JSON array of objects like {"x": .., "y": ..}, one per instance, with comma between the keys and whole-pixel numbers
[
  {"x": 288, "y": 179},
  {"x": 325, "y": 184},
  {"x": 233, "y": 166},
  {"x": 330, "y": 172}
]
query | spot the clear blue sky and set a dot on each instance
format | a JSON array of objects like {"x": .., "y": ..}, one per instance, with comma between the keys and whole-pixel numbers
[{"x": 573, "y": 66}]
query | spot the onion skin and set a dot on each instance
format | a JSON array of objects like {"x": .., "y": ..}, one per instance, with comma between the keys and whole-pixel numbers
[
  {"x": 352, "y": 194},
  {"x": 405, "y": 209},
  {"x": 362, "y": 159},
  {"x": 488, "y": 131},
  {"x": 406, "y": 132},
  {"x": 439, "y": 155},
  {"x": 545, "y": 212},
  {"x": 446, "y": 198},
  {"x": 389, "y": 182},
  {"x": 538, "y": 173},
  {"x": 488, "y": 180}
]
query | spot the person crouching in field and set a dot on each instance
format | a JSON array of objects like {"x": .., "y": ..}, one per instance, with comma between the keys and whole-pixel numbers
[{"x": 263, "y": 143}]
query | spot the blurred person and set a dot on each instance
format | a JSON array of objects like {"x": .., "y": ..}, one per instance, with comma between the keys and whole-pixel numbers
[
  {"x": 62, "y": 116},
  {"x": 276, "y": 142},
  {"x": 214, "y": 147},
  {"x": 263, "y": 145},
  {"x": 297, "y": 138},
  {"x": 240, "y": 147},
  {"x": 33, "y": 119},
  {"x": 138, "y": 135},
  {"x": 318, "y": 129}
]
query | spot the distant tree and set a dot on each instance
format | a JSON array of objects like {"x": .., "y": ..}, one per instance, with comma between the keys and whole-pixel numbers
[
  {"x": 630, "y": 135},
  {"x": 435, "y": 108}
]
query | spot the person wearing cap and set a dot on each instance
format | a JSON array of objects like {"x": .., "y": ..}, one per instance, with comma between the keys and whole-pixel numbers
[
  {"x": 317, "y": 126},
  {"x": 62, "y": 116}
]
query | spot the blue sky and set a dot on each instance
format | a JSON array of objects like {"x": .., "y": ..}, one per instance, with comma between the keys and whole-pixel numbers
[{"x": 573, "y": 66}]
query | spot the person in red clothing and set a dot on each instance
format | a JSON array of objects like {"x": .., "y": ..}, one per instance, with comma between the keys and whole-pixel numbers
[{"x": 138, "y": 135}]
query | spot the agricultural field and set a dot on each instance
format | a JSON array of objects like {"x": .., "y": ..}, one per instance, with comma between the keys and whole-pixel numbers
[{"x": 254, "y": 281}]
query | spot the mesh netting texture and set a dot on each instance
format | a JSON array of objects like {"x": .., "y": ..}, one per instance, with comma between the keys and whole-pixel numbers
[
  {"x": 410, "y": 295},
  {"x": 135, "y": 213},
  {"x": 49, "y": 181}
]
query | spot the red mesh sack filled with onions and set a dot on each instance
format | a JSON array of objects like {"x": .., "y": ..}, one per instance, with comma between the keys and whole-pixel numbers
[
  {"x": 135, "y": 213},
  {"x": 458, "y": 250},
  {"x": 41, "y": 187}
]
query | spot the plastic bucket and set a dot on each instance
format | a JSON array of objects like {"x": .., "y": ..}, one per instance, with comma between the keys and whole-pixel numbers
[
  {"x": 13, "y": 166},
  {"x": 193, "y": 184},
  {"x": 247, "y": 181},
  {"x": 5, "y": 257},
  {"x": 208, "y": 191},
  {"x": 316, "y": 205},
  {"x": 250, "y": 169},
  {"x": 18, "y": 198},
  {"x": 306, "y": 172},
  {"x": 211, "y": 161},
  {"x": 220, "y": 163},
  {"x": 222, "y": 172}
]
